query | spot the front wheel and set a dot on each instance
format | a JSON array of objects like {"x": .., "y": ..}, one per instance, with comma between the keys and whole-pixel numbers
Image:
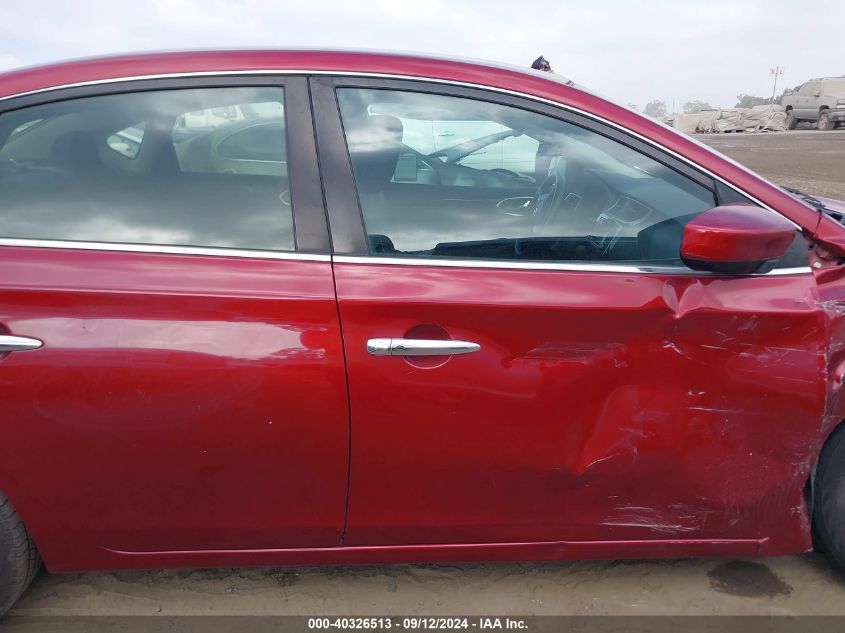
[
  {"x": 19, "y": 560},
  {"x": 829, "y": 498},
  {"x": 824, "y": 121},
  {"x": 791, "y": 121}
]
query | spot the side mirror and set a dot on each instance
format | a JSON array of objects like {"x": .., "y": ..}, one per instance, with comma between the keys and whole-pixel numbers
[{"x": 735, "y": 239}]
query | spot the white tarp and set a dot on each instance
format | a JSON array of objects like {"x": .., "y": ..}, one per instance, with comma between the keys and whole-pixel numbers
[
  {"x": 770, "y": 118},
  {"x": 762, "y": 118},
  {"x": 686, "y": 123}
]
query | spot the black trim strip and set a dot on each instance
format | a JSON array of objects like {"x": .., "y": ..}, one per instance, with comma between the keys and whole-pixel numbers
[{"x": 344, "y": 211}]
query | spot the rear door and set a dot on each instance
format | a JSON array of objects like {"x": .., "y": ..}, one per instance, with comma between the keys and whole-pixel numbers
[
  {"x": 808, "y": 102},
  {"x": 553, "y": 371},
  {"x": 172, "y": 271}
]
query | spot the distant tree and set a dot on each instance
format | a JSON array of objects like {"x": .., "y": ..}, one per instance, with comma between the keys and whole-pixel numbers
[
  {"x": 749, "y": 101},
  {"x": 656, "y": 109},
  {"x": 786, "y": 91},
  {"x": 634, "y": 107},
  {"x": 691, "y": 107}
]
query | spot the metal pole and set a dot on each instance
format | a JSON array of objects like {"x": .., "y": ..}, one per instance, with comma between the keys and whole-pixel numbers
[{"x": 776, "y": 72}]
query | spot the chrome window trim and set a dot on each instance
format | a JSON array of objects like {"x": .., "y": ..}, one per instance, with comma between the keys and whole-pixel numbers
[
  {"x": 554, "y": 266},
  {"x": 389, "y": 261},
  {"x": 163, "y": 249}
]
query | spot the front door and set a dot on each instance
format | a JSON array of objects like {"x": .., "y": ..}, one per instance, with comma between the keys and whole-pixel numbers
[
  {"x": 187, "y": 390},
  {"x": 547, "y": 369}
]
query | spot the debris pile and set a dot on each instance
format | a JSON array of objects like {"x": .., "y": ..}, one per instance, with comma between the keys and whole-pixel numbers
[{"x": 762, "y": 118}]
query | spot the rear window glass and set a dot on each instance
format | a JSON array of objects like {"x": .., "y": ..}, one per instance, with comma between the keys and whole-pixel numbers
[{"x": 199, "y": 167}]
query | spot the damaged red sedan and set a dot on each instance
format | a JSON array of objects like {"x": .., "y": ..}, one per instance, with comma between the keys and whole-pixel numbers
[{"x": 270, "y": 308}]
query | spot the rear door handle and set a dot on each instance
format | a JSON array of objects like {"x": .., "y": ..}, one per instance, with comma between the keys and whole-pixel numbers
[
  {"x": 18, "y": 343},
  {"x": 419, "y": 347}
]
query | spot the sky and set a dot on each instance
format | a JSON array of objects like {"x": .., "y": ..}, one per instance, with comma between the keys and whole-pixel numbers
[{"x": 631, "y": 51}]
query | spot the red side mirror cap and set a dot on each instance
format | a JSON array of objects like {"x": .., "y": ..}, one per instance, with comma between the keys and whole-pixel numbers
[{"x": 735, "y": 239}]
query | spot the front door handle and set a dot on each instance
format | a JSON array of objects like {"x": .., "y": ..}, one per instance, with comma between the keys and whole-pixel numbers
[
  {"x": 419, "y": 347},
  {"x": 18, "y": 343}
]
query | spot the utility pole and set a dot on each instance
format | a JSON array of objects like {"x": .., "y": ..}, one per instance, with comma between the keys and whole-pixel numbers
[{"x": 776, "y": 72}]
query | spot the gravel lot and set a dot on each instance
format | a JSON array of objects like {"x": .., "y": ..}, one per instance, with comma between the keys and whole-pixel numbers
[
  {"x": 810, "y": 160},
  {"x": 777, "y": 586}
]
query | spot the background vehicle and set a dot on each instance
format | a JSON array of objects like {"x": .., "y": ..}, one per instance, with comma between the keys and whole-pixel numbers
[
  {"x": 563, "y": 331},
  {"x": 820, "y": 100}
]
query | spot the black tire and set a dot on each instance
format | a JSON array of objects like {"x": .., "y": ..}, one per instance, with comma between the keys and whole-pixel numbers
[
  {"x": 791, "y": 121},
  {"x": 19, "y": 560},
  {"x": 824, "y": 121},
  {"x": 829, "y": 498}
]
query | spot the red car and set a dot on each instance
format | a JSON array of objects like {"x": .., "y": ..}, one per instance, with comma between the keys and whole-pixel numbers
[{"x": 271, "y": 308}]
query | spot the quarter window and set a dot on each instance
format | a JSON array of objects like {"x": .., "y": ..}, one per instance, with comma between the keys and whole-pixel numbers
[
  {"x": 150, "y": 168},
  {"x": 127, "y": 142},
  {"x": 443, "y": 176}
]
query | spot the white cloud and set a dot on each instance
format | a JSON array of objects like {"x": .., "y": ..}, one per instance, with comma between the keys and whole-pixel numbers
[{"x": 672, "y": 50}]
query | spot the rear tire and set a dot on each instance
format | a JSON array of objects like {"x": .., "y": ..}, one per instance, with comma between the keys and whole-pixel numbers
[
  {"x": 19, "y": 560},
  {"x": 791, "y": 121},
  {"x": 824, "y": 121}
]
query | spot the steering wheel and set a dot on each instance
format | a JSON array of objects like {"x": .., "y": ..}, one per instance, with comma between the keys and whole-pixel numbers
[
  {"x": 558, "y": 201},
  {"x": 549, "y": 195}
]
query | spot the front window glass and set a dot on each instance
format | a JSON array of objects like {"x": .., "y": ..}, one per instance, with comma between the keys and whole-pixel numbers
[
  {"x": 453, "y": 177},
  {"x": 193, "y": 167}
]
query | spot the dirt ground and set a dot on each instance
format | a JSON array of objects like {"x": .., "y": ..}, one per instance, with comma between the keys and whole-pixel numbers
[
  {"x": 810, "y": 160},
  {"x": 794, "y": 585}
]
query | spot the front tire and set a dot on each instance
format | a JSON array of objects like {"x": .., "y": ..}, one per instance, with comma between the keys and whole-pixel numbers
[
  {"x": 829, "y": 498},
  {"x": 824, "y": 121},
  {"x": 19, "y": 560},
  {"x": 791, "y": 121}
]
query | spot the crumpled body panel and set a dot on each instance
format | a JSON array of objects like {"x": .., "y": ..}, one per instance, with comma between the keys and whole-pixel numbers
[
  {"x": 831, "y": 299},
  {"x": 601, "y": 407}
]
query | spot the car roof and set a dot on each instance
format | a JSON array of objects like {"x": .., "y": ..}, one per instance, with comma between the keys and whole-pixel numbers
[{"x": 157, "y": 64}]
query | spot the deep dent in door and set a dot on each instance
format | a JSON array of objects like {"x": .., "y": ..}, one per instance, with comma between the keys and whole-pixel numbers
[{"x": 675, "y": 407}]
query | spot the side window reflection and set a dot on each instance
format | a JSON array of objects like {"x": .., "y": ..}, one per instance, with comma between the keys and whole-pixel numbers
[
  {"x": 193, "y": 167},
  {"x": 443, "y": 176}
]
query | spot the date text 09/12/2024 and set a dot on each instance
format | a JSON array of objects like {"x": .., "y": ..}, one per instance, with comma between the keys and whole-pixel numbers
[{"x": 417, "y": 623}]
